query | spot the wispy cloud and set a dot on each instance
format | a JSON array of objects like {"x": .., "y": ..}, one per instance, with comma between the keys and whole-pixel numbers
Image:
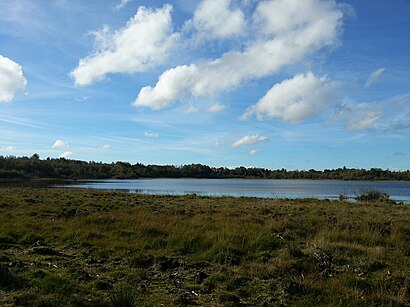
[
  {"x": 151, "y": 135},
  {"x": 216, "y": 108},
  {"x": 82, "y": 99},
  {"x": 122, "y": 4},
  {"x": 249, "y": 140},
  {"x": 374, "y": 76},
  {"x": 59, "y": 144},
  {"x": 66, "y": 154},
  {"x": 253, "y": 152},
  {"x": 357, "y": 116},
  {"x": 363, "y": 120},
  {"x": 397, "y": 125},
  {"x": 7, "y": 148},
  {"x": 191, "y": 109},
  {"x": 18, "y": 13},
  {"x": 17, "y": 121}
]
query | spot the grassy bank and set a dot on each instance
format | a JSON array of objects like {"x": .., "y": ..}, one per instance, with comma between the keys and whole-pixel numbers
[{"x": 87, "y": 248}]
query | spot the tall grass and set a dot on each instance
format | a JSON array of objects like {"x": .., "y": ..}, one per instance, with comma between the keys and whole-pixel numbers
[{"x": 100, "y": 248}]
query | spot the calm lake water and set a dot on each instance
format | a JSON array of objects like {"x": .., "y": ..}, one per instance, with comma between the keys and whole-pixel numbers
[{"x": 399, "y": 191}]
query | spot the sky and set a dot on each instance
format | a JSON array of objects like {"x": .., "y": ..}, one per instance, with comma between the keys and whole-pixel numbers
[{"x": 295, "y": 84}]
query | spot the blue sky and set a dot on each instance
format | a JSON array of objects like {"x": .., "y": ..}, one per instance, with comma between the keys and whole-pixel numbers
[{"x": 297, "y": 84}]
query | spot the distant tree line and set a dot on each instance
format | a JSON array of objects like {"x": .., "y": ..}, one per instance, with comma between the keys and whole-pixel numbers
[{"x": 33, "y": 167}]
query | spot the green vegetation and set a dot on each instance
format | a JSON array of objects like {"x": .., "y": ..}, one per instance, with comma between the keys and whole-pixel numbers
[
  {"x": 90, "y": 248},
  {"x": 371, "y": 195},
  {"x": 33, "y": 167}
]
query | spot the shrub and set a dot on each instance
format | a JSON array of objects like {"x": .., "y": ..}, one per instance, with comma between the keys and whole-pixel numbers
[{"x": 369, "y": 195}]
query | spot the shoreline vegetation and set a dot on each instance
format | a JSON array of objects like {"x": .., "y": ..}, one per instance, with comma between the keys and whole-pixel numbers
[
  {"x": 69, "y": 247},
  {"x": 35, "y": 168}
]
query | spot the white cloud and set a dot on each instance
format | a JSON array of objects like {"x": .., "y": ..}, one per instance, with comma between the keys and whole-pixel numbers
[
  {"x": 273, "y": 48},
  {"x": 364, "y": 120},
  {"x": 59, "y": 144},
  {"x": 106, "y": 147},
  {"x": 374, "y": 76},
  {"x": 293, "y": 100},
  {"x": 82, "y": 99},
  {"x": 253, "y": 152},
  {"x": 249, "y": 140},
  {"x": 151, "y": 135},
  {"x": 281, "y": 17},
  {"x": 17, "y": 121},
  {"x": 66, "y": 154},
  {"x": 216, "y": 108},
  {"x": 143, "y": 43},
  {"x": 11, "y": 79},
  {"x": 358, "y": 116},
  {"x": 8, "y": 148},
  {"x": 191, "y": 109},
  {"x": 170, "y": 86},
  {"x": 122, "y": 4},
  {"x": 216, "y": 19}
]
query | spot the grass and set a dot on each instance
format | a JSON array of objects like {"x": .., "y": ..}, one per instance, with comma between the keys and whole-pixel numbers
[{"x": 89, "y": 248}]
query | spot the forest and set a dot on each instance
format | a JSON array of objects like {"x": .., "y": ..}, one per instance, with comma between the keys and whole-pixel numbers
[{"x": 33, "y": 167}]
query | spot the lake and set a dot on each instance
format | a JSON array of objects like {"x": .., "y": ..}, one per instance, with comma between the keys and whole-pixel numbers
[{"x": 399, "y": 191}]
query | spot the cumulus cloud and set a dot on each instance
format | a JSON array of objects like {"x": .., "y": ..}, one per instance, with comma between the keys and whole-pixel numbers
[
  {"x": 216, "y": 19},
  {"x": 216, "y": 108},
  {"x": 293, "y": 100},
  {"x": 170, "y": 86},
  {"x": 249, "y": 140},
  {"x": 315, "y": 25},
  {"x": 59, "y": 144},
  {"x": 280, "y": 17},
  {"x": 66, "y": 154},
  {"x": 142, "y": 44},
  {"x": 11, "y": 79},
  {"x": 374, "y": 76},
  {"x": 151, "y": 135}
]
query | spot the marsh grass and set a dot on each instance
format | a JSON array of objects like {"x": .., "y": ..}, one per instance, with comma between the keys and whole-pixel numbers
[
  {"x": 86, "y": 248},
  {"x": 124, "y": 296}
]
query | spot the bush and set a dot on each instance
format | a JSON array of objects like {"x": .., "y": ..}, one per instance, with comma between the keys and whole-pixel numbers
[{"x": 371, "y": 195}]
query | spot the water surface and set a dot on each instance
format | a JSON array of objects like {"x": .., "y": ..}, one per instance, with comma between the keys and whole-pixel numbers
[{"x": 399, "y": 191}]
